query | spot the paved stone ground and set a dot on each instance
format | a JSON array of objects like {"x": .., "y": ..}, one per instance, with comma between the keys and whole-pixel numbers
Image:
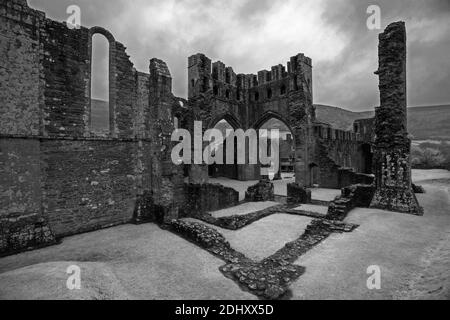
[{"x": 264, "y": 237}]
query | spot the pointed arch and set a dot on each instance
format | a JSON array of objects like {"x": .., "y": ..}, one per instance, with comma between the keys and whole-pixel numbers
[
  {"x": 229, "y": 117},
  {"x": 272, "y": 115}
]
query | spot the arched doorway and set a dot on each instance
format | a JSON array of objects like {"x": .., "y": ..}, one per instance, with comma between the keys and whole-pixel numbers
[
  {"x": 225, "y": 170},
  {"x": 286, "y": 145}
]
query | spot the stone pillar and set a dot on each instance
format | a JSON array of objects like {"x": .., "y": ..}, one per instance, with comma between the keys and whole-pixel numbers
[
  {"x": 392, "y": 163},
  {"x": 301, "y": 115},
  {"x": 166, "y": 178}
]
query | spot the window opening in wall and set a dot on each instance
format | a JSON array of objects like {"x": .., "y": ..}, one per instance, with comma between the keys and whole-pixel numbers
[{"x": 100, "y": 104}]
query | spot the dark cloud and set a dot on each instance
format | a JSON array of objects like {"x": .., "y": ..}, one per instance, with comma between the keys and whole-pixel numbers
[{"x": 252, "y": 35}]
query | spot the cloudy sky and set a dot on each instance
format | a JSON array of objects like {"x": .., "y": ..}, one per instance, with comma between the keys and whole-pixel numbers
[{"x": 252, "y": 35}]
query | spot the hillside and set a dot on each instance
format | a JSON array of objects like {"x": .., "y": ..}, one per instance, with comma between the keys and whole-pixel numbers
[
  {"x": 429, "y": 123},
  {"x": 100, "y": 116},
  {"x": 340, "y": 118},
  {"x": 424, "y": 123}
]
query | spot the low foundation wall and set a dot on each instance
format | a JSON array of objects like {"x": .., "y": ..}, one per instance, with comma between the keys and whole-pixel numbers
[{"x": 201, "y": 198}]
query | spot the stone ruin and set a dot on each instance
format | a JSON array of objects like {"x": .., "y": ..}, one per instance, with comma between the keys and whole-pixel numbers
[
  {"x": 392, "y": 145},
  {"x": 59, "y": 177}
]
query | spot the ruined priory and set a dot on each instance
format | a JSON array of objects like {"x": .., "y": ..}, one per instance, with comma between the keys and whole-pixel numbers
[{"x": 59, "y": 177}]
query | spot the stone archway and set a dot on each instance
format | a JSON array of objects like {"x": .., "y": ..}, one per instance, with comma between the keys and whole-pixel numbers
[
  {"x": 223, "y": 123},
  {"x": 286, "y": 156}
]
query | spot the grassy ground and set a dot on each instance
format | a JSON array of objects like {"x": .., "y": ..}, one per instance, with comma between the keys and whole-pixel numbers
[
  {"x": 138, "y": 262},
  {"x": 412, "y": 252},
  {"x": 145, "y": 262},
  {"x": 266, "y": 236}
]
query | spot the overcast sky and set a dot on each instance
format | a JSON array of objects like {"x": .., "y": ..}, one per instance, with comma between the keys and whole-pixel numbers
[{"x": 252, "y": 35}]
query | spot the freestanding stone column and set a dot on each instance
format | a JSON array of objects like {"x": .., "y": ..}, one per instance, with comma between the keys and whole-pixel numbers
[{"x": 392, "y": 163}]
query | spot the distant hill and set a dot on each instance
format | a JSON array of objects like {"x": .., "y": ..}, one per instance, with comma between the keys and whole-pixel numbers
[
  {"x": 429, "y": 123},
  {"x": 100, "y": 116},
  {"x": 340, "y": 118},
  {"x": 424, "y": 123}
]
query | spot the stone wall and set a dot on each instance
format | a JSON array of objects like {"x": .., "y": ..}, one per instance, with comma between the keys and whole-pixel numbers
[
  {"x": 58, "y": 176},
  {"x": 339, "y": 157},
  {"x": 202, "y": 198},
  {"x": 20, "y": 69},
  {"x": 358, "y": 195},
  {"x": 88, "y": 184},
  {"x": 249, "y": 100},
  {"x": 348, "y": 177}
]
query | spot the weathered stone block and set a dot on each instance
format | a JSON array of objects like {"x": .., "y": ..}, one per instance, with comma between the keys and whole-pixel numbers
[
  {"x": 418, "y": 189},
  {"x": 348, "y": 177},
  {"x": 298, "y": 194},
  {"x": 262, "y": 191},
  {"x": 201, "y": 198},
  {"x": 360, "y": 194},
  {"x": 24, "y": 233}
]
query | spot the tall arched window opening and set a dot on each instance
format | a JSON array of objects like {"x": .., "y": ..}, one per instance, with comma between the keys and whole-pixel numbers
[{"x": 100, "y": 104}]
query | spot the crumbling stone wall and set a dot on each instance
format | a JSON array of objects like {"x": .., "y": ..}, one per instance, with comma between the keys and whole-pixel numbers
[
  {"x": 392, "y": 145},
  {"x": 248, "y": 101},
  {"x": 58, "y": 176},
  {"x": 88, "y": 184},
  {"x": 166, "y": 191},
  {"x": 203, "y": 198},
  {"x": 20, "y": 69},
  {"x": 22, "y": 222},
  {"x": 338, "y": 156}
]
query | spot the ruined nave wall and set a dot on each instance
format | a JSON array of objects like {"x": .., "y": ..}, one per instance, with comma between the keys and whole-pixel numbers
[{"x": 54, "y": 166}]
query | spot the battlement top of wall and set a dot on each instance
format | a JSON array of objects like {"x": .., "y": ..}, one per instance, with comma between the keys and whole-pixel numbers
[{"x": 219, "y": 71}]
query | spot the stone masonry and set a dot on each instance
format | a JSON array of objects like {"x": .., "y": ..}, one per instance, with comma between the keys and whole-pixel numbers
[{"x": 392, "y": 145}]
